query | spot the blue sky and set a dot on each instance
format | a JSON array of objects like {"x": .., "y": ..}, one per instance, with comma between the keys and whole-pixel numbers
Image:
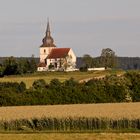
[{"x": 86, "y": 26}]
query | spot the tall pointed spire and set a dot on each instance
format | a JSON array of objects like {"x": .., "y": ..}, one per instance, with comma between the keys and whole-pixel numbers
[
  {"x": 48, "y": 40},
  {"x": 48, "y": 31}
]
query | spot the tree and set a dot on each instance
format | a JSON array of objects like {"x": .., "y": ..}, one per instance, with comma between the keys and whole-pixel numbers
[
  {"x": 1, "y": 71},
  {"x": 33, "y": 65},
  {"x": 67, "y": 62},
  {"x": 134, "y": 78},
  {"x": 108, "y": 58},
  {"x": 71, "y": 82},
  {"x": 22, "y": 86},
  {"x": 55, "y": 82},
  {"x": 88, "y": 61},
  {"x": 23, "y": 66},
  {"x": 119, "y": 86},
  {"x": 11, "y": 66}
]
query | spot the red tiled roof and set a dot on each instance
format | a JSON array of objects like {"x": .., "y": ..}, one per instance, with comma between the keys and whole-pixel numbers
[
  {"x": 41, "y": 65},
  {"x": 58, "y": 53}
]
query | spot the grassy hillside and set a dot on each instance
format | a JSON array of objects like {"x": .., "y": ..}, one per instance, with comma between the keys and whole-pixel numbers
[{"x": 62, "y": 76}]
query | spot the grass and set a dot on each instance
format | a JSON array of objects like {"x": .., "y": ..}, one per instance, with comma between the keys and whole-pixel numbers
[
  {"x": 62, "y": 76},
  {"x": 72, "y": 136}
]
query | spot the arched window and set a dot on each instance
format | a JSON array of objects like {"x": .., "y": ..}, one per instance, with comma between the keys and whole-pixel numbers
[{"x": 44, "y": 51}]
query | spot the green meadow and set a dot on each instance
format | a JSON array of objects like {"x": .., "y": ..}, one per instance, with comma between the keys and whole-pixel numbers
[{"x": 28, "y": 79}]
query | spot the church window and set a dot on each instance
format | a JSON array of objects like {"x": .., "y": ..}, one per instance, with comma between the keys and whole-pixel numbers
[
  {"x": 45, "y": 61},
  {"x": 55, "y": 65},
  {"x": 44, "y": 51}
]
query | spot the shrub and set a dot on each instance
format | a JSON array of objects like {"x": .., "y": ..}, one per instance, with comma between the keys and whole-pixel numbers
[
  {"x": 83, "y": 69},
  {"x": 38, "y": 84}
]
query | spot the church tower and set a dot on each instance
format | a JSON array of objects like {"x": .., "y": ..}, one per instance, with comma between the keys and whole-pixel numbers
[{"x": 47, "y": 45}]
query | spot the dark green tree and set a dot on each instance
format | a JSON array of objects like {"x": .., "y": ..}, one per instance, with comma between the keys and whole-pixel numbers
[
  {"x": 88, "y": 61},
  {"x": 33, "y": 65},
  {"x": 54, "y": 83},
  {"x": 71, "y": 82},
  {"x": 22, "y": 86},
  {"x": 1, "y": 70},
  {"x": 134, "y": 78},
  {"x": 11, "y": 66},
  {"x": 23, "y": 66}
]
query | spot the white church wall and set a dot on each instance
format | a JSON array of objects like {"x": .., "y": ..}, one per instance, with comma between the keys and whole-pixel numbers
[
  {"x": 42, "y": 69},
  {"x": 73, "y": 57},
  {"x": 96, "y": 69},
  {"x": 44, "y": 52}
]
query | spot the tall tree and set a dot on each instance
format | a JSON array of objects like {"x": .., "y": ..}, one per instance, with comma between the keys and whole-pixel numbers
[
  {"x": 33, "y": 65},
  {"x": 23, "y": 65},
  {"x": 108, "y": 58},
  {"x": 10, "y": 65},
  {"x": 88, "y": 61}
]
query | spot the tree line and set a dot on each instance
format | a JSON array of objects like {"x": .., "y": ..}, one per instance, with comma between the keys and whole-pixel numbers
[
  {"x": 110, "y": 89},
  {"x": 108, "y": 59},
  {"x": 12, "y": 66}
]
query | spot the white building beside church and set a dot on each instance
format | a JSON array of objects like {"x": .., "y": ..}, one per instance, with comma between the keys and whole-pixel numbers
[{"x": 53, "y": 58}]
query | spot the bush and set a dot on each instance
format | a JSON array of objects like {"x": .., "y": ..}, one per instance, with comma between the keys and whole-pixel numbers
[
  {"x": 83, "y": 69},
  {"x": 134, "y": 78},
  {"x": 110, "y": 89},
  {"x": 38, "y": 84}
]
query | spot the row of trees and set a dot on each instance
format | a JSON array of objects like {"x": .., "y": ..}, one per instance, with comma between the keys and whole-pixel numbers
[
  {"x": 107, "y": 59},
  {"x": 110, "y": 89},
  {"x": 129, "y": 63},
  {"x": 12, "y": 66}
]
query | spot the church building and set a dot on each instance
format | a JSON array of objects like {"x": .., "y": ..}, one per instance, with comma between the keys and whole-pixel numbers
[{"x": 53, "y": 58}]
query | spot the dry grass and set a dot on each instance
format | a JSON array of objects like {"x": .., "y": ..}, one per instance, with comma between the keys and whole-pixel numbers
[
  {"x": 113, "y": 111},
  {"x": 62, "y": 76},
  {"x": 73, "y": 136}
]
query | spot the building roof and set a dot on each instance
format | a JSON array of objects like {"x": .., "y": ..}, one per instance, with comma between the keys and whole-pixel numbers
[
  {"x": 58, "y": 53},
  {"x": 41, "y": 65}
]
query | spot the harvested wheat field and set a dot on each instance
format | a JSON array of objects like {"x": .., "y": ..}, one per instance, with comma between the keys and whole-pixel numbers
[{"x": 111, "y": 110}]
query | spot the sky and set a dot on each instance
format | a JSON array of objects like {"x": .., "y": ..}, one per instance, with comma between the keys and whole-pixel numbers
[{"x": 86, "y": 26}]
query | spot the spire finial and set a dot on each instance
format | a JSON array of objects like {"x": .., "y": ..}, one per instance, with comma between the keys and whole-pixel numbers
[{"x": 48, "y": 27}]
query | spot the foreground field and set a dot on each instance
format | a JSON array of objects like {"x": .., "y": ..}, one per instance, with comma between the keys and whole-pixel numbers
[
  {"x": 62, "y": 76},
  {"x": 110, "y": 110},
  {"x": 120, "y": 117},
  {"x": 71, "y": 136}
]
